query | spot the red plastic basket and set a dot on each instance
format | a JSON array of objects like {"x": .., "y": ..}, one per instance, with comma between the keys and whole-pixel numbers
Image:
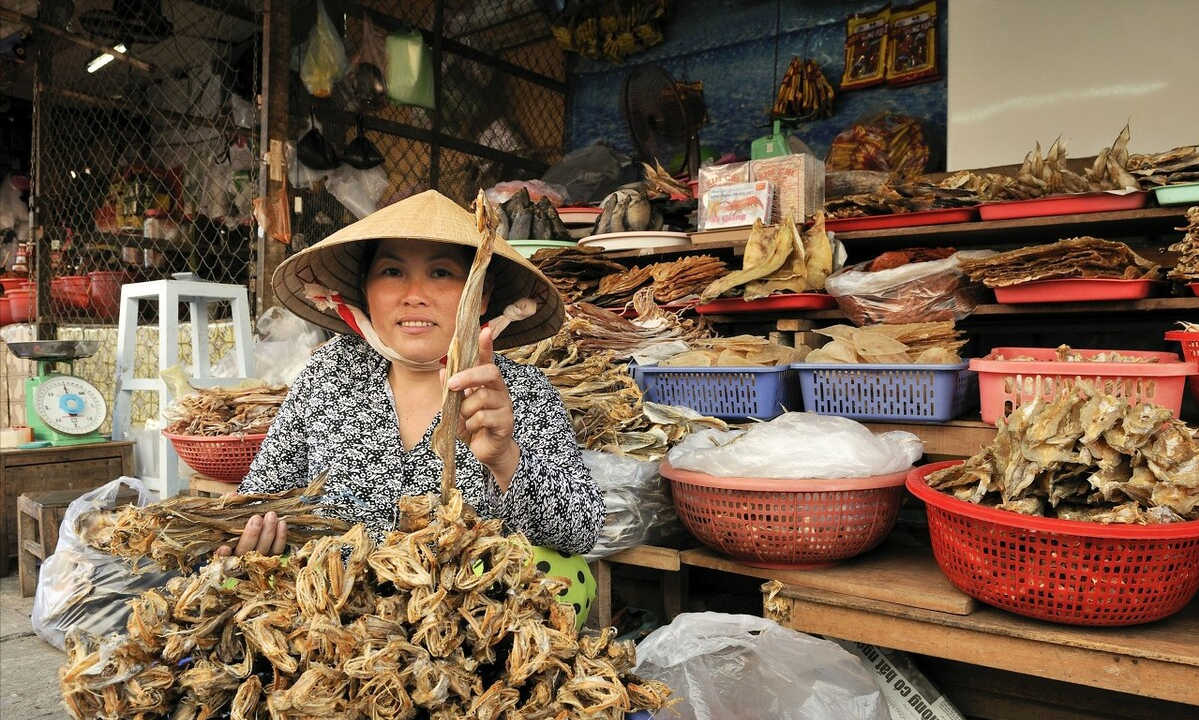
[
  {"x": 223, "y": 457},
  {"x": 1065, "y": 571},
  {"x": 1190, "y": 350},
  {"x": 789, "y": 524}
]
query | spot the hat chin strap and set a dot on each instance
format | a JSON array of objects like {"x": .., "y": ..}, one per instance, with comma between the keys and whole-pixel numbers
[{"x": 325, "y": 299}]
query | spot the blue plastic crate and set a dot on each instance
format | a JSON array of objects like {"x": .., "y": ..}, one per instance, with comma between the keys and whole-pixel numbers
[
  {"x": 911, "y": 393},
  {"x": 729, "y": 393}
]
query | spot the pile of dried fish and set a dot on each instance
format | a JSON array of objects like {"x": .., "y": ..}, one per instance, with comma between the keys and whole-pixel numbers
[
  {"x": 520, "y": 218},
  {"x": 1049, "y": 175},
  {"x": 1180, "y": 165},
  {"x": 1084, "y": 455},
  {"x": 575, "y": 271},
  {"x": 926, "y": 343},
  {"x": 1080, "y": 257},
  {"x": 1187, "y": 267},
  {"x": 447, "y": 618},
  {"x": 737, "y": 351},
  {"x": 901, "y": 197},
  {"x": 595, "y": 329},
  {"x": 219, "y": 411},
  {"x": 668, "y": 281},
  {"x": 779, "y": 259},
  {"x": 182, "y": 530}
]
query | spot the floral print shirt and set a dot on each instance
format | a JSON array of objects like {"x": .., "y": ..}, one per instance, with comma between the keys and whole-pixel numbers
[{"x": 340, "y": 417}]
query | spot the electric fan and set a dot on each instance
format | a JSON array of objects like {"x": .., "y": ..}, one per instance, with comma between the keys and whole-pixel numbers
[{"x": 664, "y": 117}]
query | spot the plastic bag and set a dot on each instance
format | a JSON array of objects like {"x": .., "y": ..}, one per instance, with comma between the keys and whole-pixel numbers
[
  {"x": 281, "y": 348},
  {"x": 358, "y": 190},
  {"x": 324, "y": 61},
  {"x": 81, "y": 589},
  {"x": 588, "y": 174},
  {"x": 314, "y": 150},
  {"x": 367, "y": 83},
  {"x": 915, "y": 292},
  {"x": 833, "y": 447},
  {"x": 739, "y": 666},
  {"x": 360, "y": 152},
  {"x": 639, "y": 506},
  {"x": 409, "y": 69}
]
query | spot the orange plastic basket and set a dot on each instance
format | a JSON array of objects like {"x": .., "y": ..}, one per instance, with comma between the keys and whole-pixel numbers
[
  {"x": 1190, "y": 350},
  {"x": 786, "y": 523},
  {"x": 223, "y": 457},
  {"x": 1065, "y": 571}
]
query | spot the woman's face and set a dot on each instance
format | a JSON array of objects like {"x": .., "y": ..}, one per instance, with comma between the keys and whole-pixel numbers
[{"x": 412, "y": 292}]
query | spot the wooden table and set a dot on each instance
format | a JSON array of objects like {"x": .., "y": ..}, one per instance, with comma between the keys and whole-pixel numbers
[{"x": 75, "y": 467}]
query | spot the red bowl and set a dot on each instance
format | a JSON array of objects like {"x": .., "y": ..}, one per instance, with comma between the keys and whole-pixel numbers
[
  {"x": 72, "y": 291},
  {"x": 12, "y": 283},
  {"x": 106, "y": 291},
  {"x": 21, "y": 304},
  {"x": 5, "y": 311}
]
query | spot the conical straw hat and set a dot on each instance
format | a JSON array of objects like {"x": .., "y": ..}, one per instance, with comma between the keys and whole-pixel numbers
[{"x": 335, "y": 263}]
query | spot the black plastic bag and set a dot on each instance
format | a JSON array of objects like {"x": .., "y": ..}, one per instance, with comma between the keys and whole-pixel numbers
[
  {"x": 361, "y": 153},
  {"x": 314, "y": 150}
]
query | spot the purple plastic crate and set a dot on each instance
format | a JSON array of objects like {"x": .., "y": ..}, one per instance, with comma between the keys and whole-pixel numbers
[
  {"x": 729, "y": 393},
  {"x": 912, "y": 393}
]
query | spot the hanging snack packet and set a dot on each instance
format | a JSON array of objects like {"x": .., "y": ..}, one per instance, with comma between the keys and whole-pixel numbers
[
  {"x": 865, "y": 49},
  {"x": 912, "y": 45}
]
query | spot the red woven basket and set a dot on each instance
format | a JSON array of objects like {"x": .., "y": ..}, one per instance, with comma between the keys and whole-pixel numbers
[
  {"x": 224, "y": 457},
  {"x": 1065, "y": 571},
  {"x": 1190, "y": 351},
  {"x": 789, "y": 524}
]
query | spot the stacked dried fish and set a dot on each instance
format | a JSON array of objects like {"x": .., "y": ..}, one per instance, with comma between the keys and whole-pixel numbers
[
  {"x": 927, "y": 343},
  {"x": 1081, "y": 257},
  {"x": 1187, "y": 267},
  {"x": 219, "y": 411},
  {"x": 901, "y": 197},
  {"x": 779, "y": 259},
  {"x": 1180, "y": 165},
  {"x": 737, "y": 351},
  {"x": 575, "y": 271},
  {"x": 1084, "y": 455},
  {"x": 668, "y": 281},
  {"x": 595, "y": 329},
  {"x": 447, "y": 618},
  {"x": 182, "y": 530}
]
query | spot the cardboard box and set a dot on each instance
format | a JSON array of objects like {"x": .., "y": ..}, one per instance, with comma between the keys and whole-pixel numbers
[
  {"x": 799, "y": 180},
  {"x": 739, "y": 205}
]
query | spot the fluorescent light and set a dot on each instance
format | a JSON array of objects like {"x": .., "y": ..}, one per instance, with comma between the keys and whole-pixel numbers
[{"x": 102, "y": 60}]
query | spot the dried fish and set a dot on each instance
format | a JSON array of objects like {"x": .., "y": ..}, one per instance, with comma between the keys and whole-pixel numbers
[{"x": 219, "y": 411}]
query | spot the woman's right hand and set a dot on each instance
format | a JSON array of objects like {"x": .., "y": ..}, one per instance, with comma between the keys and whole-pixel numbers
[{"x": 265, "y": 534}]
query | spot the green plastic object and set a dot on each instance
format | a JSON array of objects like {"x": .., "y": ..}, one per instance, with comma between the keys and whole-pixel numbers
[
  {"x": 772, "y": 145},
  {"x": 581, "y": 592},
  {"x": 409, "y": 69}
]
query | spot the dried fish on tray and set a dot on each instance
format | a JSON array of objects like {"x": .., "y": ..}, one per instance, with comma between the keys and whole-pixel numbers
[
  {"x": 1084, "y": 455},
  {"x": 1080, "y": 257},
  {"x": 446, "y": 618},
  {"x": 927, "y": 343},
  {"x": 213, "y": 412},
  {"x": 1187, "y": 267},
  {"x": 183, "y": 530}
]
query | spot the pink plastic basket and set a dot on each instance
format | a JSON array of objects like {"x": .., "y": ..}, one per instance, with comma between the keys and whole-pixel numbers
[
  {"x": 1006, "y": 384},
  {"x": 1190, "y": 350},
  {"x": 223, "y": 457},
  {"x": 786, "y": 523},
  {"x": 1066, "y": 571}
]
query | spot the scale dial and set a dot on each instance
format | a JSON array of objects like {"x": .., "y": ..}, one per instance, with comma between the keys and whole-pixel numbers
[{"x": 70, "y": 405}]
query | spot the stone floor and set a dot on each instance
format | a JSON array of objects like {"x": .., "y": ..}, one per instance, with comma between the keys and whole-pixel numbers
[{"x": 28, "y": 665}]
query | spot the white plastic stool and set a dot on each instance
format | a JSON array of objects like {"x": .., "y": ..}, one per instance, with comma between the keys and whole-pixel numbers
[{"x": 169, "y": 294}]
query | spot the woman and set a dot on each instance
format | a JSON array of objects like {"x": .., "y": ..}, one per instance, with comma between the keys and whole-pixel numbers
[{"x": 364, "y": 408}]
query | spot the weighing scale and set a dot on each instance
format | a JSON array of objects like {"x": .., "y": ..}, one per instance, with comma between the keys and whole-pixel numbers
[{"x": 61, "y": 408}]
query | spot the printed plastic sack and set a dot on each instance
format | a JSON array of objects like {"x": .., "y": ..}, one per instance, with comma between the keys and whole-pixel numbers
[
  {"x": 834, "y": 447},
  {"x": 724, "y": 666},
  {"x": 638, "y": 502},
  {"x": 324, "y": 61},
  {"x": 913, "y": 292},
  {"x": 409, "y": 69},
  {"x": 81, "y": 589}
]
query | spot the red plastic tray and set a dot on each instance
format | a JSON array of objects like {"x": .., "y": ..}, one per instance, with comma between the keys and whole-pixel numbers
[
  {"x": 1194, "y": 287},
  {"x": 1075, "y": 290},
  {"x": 789, "y": 301},
  {"x": 898, "y": 220},
  {"x": 1063, "y": 205}
]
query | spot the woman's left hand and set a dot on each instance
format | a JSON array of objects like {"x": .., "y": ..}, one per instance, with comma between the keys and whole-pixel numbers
[{"x": 486, "y": 419}]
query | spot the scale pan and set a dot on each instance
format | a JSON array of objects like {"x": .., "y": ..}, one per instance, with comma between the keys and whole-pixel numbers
[{"x": 54, "y": 349}]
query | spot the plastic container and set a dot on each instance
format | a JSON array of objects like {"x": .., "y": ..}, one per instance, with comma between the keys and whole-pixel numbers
[
  {"x": 1076, "y": 290},
  {"x": 13, "y": 283},
  {"x": 919, "y": 218},
  {"x": 106, "y": 292},
  {"x": 5, "y": 310},
  {"x": 771, "y": 303},
  {"x": 224, "y": 457},
  {"x": 21, "y": 304},
  {"x": 71, "y": 291},
  {"x": 1190, "y": 353},
  {"x": 1078, "y": 203},
  {"x": 1181, "y": 194},
  {"x": 1006, "y": 384},
  {"x": 789, "y": 524},
  {"x": 729, "y": 393},
  {"x": 1065, "y": 571},
  {"x": 528, "y": 247},
  {"x": 909, "y": 393}
]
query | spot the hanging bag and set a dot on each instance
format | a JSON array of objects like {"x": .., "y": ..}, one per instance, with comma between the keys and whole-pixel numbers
[
  {"x": 409, "y": 69},
  {"x": 324, "y": 61},
  {"x": 360, "y": 152},
  {"x": 314, "y": 150},
  {"x": 367, "y": 81}
]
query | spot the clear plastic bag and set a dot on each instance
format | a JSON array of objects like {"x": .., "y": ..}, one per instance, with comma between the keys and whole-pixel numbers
[
  {"x": 358, "y": 190},
  {"x": 724, "y": 666},
  {"x": 81, "y": 589},
  {"x": 367, "y": 84},
  {"x": 324, "y": 61},
  {"x": 915, "y": 292},
  {"x": 639, "y": 506},
  {"x": 833, "y": 447}
]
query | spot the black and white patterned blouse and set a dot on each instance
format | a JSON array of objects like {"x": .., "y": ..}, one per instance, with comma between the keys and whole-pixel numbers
[{"x": 339, "y": 417}]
